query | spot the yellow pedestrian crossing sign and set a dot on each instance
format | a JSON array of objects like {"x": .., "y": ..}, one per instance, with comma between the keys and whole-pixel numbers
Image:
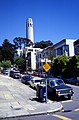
[{"x": 46, "y": 67}]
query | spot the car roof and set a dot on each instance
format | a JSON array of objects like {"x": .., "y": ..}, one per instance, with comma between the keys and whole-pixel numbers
[
  {"x": 37, "y": 78},
  {"x": 54, "y": 79},
  {"x": 50, "y": 79}
]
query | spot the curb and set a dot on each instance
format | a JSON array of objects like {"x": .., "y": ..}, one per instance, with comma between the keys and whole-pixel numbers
[{"x": 36, "y": 113}]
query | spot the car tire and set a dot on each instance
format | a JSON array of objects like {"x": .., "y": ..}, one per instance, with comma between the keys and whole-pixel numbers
[
  {"x": 77, "y": 84},
  {"x": 69, "y": 97}
]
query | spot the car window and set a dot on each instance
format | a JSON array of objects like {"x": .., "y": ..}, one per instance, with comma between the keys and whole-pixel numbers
[
  {"x": 59, "y": 82},
  {"x": 16, "y": 72},
  {"x": 43, "y": 81},
  {"x": 52, "y": 84},
  {"x": 37, "y": 81}
]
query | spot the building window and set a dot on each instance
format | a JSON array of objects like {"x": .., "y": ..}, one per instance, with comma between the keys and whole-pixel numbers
[
  {"x": 60, "y": 51},
  {"x": 40, "y": 63},
  {"x": 51, "y": 52},
  {"x": 40, "y": 55},
  {"x": 66, "y": 50},
  {"x": 77, "y": 50},
  {"x": 30, "y": 49},
  {"x": 30, "y": 25}
]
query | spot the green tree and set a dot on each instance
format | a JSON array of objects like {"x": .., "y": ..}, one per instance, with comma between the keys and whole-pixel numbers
[
  {"x": 77, "y": 69},
  {"x": 8, "y": 51},
  {"x": 72, "y": 67},
  {"x": 58, "y": 65},
  {"x": 21, "y": 63},
  {"x": 6, "y": 64},
  {"x": 19, "y": 42},
  {"x": 43, "y": 44},
  {"x": 0, "y": 53}
]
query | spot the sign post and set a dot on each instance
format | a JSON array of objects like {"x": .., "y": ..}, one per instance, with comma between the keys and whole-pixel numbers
[{"x": 46, "y": 67}]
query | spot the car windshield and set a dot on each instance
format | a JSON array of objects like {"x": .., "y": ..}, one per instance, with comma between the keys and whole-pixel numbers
[
  {"x": 59, "y": 82},
  {"x": 27, "y": 77}
]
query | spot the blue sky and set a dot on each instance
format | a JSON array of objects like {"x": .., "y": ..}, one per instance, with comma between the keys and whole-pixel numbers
[{"x": 53, "y": 19}]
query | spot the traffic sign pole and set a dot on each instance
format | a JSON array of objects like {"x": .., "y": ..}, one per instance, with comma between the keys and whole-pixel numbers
[
  {"x": 46, "y": 91},
  {"x": 46, "y": 67}
]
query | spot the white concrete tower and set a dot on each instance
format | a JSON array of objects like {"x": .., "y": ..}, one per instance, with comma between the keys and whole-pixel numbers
[{"x": 29, "y": 29}]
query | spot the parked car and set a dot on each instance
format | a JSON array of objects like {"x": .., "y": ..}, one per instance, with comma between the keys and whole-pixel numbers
[
  {"x": 57, "y": 88},
  {"x": 72, "y": 81},
  {"x": 26, "y": 78},
  {"x": 35, "y": 73},
  {"x": 34, "y": 82},
  {"x": 6, "y": 72},
  {"x": 14, "y": 74}
]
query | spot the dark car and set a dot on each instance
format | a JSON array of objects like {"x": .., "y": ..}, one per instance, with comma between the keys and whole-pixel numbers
[
  {"x": 72, "y": 81},
  {"x": 57, "y": 88},
  {"x": 26, "y": 78}
]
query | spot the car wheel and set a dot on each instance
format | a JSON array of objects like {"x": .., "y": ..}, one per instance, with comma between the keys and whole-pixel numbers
[
  {"x": 77, "y": 83},
  {"x": 69, "y": 97}
]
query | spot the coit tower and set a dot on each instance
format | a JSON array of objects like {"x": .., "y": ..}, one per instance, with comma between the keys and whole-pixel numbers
[{"x": 29, "y": 29}]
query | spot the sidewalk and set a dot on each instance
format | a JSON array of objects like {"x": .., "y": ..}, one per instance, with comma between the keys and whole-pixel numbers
[{"x": 17, "y": 99}]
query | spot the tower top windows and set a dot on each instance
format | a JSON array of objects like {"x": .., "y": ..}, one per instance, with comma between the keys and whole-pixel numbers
[
  {"x": 29, "y": 22},
  {"x": 29, "y": 29}
]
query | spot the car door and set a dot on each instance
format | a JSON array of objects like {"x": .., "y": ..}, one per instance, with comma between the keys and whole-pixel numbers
[{"x": 51, "y": 86}]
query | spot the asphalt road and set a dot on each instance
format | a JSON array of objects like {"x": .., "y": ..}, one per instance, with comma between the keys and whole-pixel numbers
[{"x": 70, "y": 110}]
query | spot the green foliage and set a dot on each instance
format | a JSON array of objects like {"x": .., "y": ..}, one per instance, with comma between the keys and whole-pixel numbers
[
  {"x": 72, "y": 69},
  {"x": 7, "y": 51},
  {"x": 30, "y": 69},
  {"x": 19, "y": 42},
  {"x": 6, "y": 64},
  {"x": 20, "y": 62},
  {"x": 43, "y": 44},
  {"x": 66, "y": 66},
  {"x": 0, "y": 53},
  {"x": 58, "y": 65}
]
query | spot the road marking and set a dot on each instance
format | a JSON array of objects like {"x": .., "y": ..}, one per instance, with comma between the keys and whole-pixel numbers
[
  {"x": 76, "y": 109},
  {"x": 66, "y": 101},
  {"x": 61, "y": 117}
]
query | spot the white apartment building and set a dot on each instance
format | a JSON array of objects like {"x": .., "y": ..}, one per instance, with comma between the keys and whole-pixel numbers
[
  {"x": 39, "y": 60},
  {"x": 76, "y": 47},
  {"x": 43, "y": 56},
  {"x": 65, "y": 47}
]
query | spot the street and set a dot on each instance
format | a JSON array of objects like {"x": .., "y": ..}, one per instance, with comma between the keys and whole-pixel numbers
[
  {"x": 70, "y": 110},
  {"x": 70, "y": 107}
]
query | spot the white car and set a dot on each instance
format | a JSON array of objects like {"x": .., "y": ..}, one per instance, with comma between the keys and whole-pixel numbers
[{"x": 35, "y": 80}]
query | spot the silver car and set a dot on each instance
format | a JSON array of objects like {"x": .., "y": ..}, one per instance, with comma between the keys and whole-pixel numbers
[{"x": 34, "y": 82}]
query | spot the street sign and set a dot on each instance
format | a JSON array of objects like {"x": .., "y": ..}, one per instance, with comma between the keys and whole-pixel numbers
[{"x": 46, "y": 67}]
